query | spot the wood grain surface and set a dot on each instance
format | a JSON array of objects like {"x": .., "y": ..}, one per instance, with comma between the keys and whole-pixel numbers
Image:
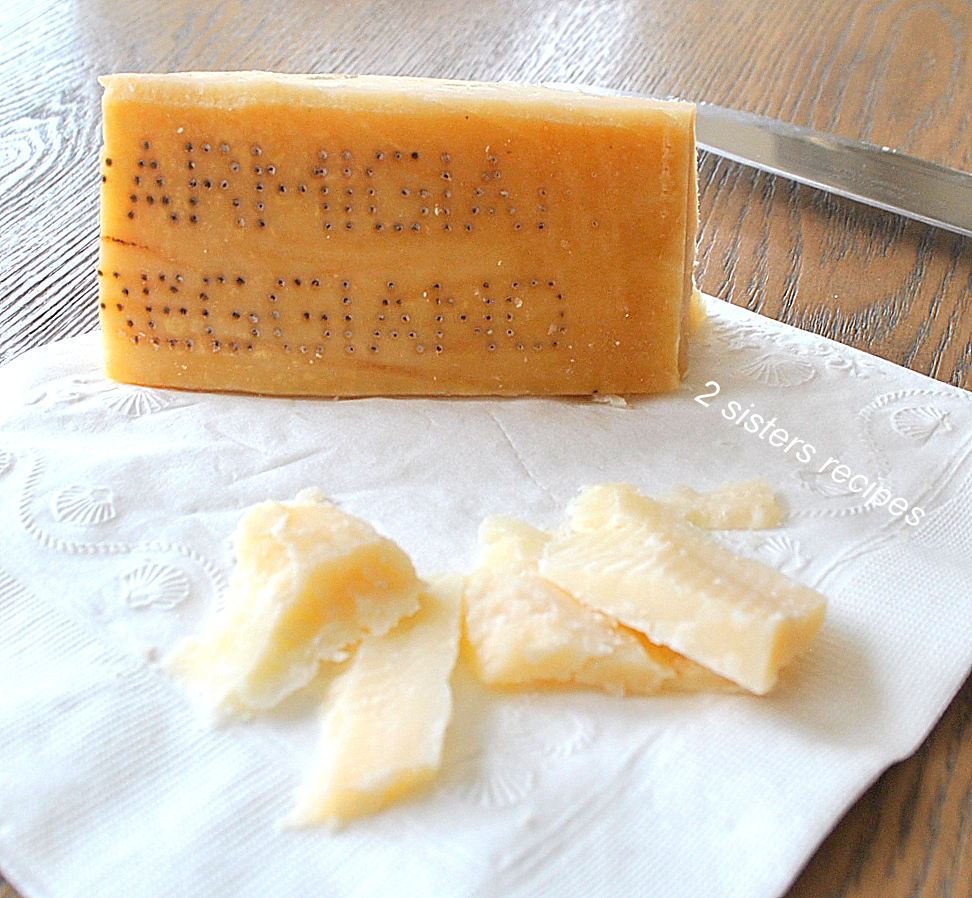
[{"x": 894, "y": 72}]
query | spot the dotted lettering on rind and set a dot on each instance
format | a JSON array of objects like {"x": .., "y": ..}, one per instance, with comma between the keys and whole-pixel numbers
[
  {"x": 403, "y": 186},
  {"x": 219, "y": 187},
  {"x": 532, "y": 313}
]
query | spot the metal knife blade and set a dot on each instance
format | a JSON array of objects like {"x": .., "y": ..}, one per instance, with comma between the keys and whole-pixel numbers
[{"x": 877, "y": 176}]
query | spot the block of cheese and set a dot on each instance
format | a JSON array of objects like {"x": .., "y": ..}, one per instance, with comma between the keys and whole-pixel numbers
[
  {"x": 738, "y": 505},
  {"x": 385, "y": 717},
  {"x": 310, "y": 581},
  {"x": 634, "y": 560},
  {"x": 359, "y": 235},
  {"x": 522, "y": 630}
]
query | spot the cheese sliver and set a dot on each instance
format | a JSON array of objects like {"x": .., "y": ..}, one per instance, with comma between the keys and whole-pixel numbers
[
  {"x": 361, "y": 235},
  {"x": 522, "y": 630},
  {"x": 385, "y": 717},
  {"x": 738, "y": 505},
  {"x": 632, "y": 559},
  {"x": 310, "y": 581}
]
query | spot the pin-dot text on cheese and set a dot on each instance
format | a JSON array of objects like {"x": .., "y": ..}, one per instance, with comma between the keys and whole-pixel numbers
[{"x": 342, "y": 235}]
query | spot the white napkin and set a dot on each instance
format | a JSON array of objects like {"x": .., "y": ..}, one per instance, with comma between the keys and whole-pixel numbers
[{"x": 116, "y": 504}]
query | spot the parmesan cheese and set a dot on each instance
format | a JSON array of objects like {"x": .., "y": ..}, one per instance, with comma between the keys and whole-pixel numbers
[
  {"x": 522, "y": 630},
  {"x": 629, "y": 557},
  {"x": 385, "y": 717},
  {"x": 626, "y": 597},
  {"x": 310, "y": 581},
  {"x": 739, "y": 505},
  {"x": 362, "y": 235}
]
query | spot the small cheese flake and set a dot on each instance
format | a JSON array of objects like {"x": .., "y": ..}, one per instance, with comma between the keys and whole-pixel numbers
[
  {"x": 610, "y": 399},
  {"x": 310, "y": 581},
  {"x": 740, "y": 505},
  {"x": 698, "y": 316},
  {"x": 522, "y": 630},
  {"x": 385, "y": 717},
  {"x": 633, "y": 559}
]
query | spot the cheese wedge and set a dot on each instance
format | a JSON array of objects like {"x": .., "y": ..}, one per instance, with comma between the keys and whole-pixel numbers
[
  {"x": 385, "y": 717},
  {"x": 361, "y": 235},
  {"x": 310, "y": 581},
  {"x": 629, "y": 557},
  {"x": 522, "y": 630}
]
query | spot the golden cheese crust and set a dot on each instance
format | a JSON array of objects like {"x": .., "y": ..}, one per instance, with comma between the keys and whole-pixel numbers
[{"x": 329, "y": 235}]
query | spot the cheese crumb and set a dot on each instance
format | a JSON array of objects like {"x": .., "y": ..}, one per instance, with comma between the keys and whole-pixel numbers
[{"x": 740, "y": 505}]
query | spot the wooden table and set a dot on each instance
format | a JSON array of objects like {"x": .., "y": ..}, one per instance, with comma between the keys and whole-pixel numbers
[{"x": 892, "y": 72}]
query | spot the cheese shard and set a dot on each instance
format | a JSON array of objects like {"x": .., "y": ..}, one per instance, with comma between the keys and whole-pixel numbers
[
  {"x": 385, "y": 717},
  {"x": 522, "y": 630},
  {"x": 738, "y": 505},
  {"x": 310, "y": 581},
  {"x": 630, "y": 558},
  {"x": 360, "y": 235}
]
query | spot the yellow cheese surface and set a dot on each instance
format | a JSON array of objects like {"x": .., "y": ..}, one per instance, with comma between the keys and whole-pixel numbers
[
  {"x": 310, "y": 581},
  {"x": 385, "y": 717},
  {"x": 626, "y": 596},
  {"x": 633, "y": 559},
  {"x": 739, "y": 505},
  {"x": 332, "y": 235},
  {"x": 522, "y": 630}
]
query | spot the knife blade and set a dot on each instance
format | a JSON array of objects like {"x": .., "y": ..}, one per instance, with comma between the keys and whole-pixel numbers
[{"x": 877, "y": 176}]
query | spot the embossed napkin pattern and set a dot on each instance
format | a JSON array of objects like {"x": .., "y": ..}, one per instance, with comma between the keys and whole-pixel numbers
[{"x": 116, "y": 507}]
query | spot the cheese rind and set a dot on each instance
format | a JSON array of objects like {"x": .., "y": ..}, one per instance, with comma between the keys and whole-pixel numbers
[
  {"x": 385, "y": 717},
  {"x": 310, "y": 581},
  {"x": 523, "y": 630},
  {"x": 632, "y": 559},
  {"x": 361, "y": 235}
]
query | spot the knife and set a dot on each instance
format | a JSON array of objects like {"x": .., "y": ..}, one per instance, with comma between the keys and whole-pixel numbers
[{"x": 876, "y": 176}]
